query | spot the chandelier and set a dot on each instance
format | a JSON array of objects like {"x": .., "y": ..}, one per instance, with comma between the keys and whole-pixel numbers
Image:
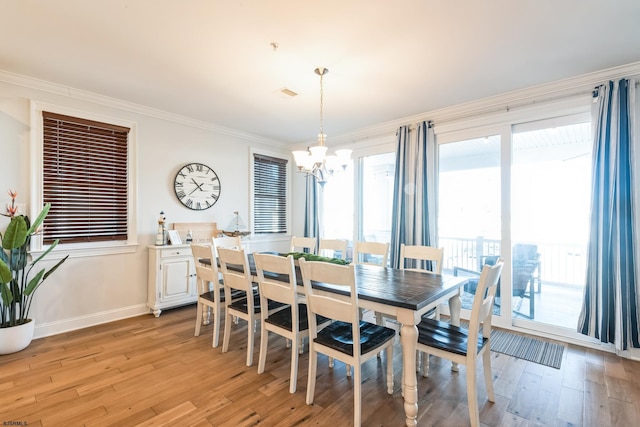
[{"x": 315, "y": 161}]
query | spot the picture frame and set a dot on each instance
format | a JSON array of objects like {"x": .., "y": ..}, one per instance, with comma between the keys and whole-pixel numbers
[{"x": 174, "y": 237}]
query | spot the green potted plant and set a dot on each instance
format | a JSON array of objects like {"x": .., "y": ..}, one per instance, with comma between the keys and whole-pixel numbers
[{"x": 17, "y": 283}]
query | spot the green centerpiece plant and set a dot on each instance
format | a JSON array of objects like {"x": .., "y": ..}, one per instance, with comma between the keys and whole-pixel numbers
[{"x": 18, "y": 277}]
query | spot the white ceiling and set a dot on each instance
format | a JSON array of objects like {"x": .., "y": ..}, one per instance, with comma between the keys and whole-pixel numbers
[{"x": 211, "y": 60}]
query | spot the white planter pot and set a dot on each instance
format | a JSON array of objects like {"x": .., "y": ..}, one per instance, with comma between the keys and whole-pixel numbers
[{"x": 16, "y": 338}]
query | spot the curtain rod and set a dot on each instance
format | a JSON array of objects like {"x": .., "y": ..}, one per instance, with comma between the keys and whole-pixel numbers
[
  {"x": 509, "y": 107},
  {"x": 513, "y": 106},
  {"x": 585, "y": 90}
]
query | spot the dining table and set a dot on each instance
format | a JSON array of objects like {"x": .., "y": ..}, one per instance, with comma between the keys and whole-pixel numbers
[{"x": 407, "y": 295}]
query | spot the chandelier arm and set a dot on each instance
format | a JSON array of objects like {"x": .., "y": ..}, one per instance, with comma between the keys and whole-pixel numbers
[{"x": 322, "y": 166}]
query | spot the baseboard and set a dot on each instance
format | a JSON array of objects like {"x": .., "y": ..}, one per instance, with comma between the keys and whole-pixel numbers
[{"x": 59, "y": 327}]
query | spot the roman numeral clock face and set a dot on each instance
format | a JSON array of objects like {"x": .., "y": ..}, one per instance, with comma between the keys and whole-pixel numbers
[{"x": 197, "y": 186}]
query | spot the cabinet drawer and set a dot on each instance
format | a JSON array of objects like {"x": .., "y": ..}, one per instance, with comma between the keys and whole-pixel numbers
[{"x": 175, "y": 252}]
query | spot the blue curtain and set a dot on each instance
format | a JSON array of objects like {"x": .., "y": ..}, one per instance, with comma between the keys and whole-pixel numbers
[
  {"x": 610, "y": 309},
  {"x": 311, "y": 209},
  {"x": 414, "y": 192}
]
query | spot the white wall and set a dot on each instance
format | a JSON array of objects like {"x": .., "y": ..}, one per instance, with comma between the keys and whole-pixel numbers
[{"x": 90, "y": 290}]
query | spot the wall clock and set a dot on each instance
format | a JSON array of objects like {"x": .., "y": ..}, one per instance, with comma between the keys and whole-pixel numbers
[{"x": 197, "y": 186}]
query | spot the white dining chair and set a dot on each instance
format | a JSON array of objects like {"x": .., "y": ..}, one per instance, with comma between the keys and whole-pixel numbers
[
  {"x": 333, "y": 248},
  {"x": 247, "y": 308},
  {"x": 337, "y": 339},
  {"x": 371, "y": 253},
  {"x": 299, "y": 244},
  {"x": 210, "y": 293},
  {"x": 466, "y": 346},
  {"x": 277, "y": 282}
]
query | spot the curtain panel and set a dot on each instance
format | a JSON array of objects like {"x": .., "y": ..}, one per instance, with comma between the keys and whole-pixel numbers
[
  {"x": 611, "y": 300},
  {"x": 413, "y": 218},
  {"x": 312, "y": 209}
]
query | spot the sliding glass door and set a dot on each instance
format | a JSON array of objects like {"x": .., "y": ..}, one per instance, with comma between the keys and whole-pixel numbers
[
  {"x": 521, "y": 193},
  {"x": 469, "y": 203},
  {"x": 550, "y": 201}
]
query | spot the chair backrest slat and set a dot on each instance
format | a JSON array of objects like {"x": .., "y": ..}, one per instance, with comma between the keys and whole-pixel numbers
[
  {"x": 421, "y": 253},
  {"x": 377, "y": 249},
  {"x": 229, "y": 242},
  {"x": 205, "y": 273},
  {"x": 340, "y": 276},
  {"x": 331, "y": 247},
  {"x": 284, "y": 287},
  {"x": 299, "y": 244},
  {"x": 238, "y": 259}
]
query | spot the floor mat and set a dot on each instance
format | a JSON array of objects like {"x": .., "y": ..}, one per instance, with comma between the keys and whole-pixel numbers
[{"x": 531, "y": 349}]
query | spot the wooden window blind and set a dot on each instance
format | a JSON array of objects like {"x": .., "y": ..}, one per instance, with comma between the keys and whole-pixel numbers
[
  {"x": 85, "y": 178},
  {"x": 270, "y": 194}
]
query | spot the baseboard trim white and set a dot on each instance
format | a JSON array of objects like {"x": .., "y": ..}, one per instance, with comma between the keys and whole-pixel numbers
[{"x": 61, "y": 326}]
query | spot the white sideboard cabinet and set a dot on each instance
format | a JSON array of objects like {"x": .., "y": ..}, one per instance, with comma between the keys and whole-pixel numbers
[{"x": 172, "y": 277}]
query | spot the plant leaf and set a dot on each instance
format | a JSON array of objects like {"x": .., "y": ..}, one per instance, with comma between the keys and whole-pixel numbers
[
  {"x": 33, "y": 283},
  {"x": 7, "y": 296},
  {"x": 16, "y": 233},
  {"x": 54, "y": 268},
  {"x": 39, "y": 219},
  {"x": 5, "y": 273},
  {"x": 49, "y": 249}
]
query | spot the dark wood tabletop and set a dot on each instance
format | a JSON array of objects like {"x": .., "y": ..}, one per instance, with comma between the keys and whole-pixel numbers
[{"x": 407, "y": 289}]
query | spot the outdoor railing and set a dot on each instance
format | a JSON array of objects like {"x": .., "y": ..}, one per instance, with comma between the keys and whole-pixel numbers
[{"x": 561, "y": 264}]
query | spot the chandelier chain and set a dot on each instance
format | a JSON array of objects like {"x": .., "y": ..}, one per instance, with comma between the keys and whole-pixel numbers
[{"x": 322, "y": 107}]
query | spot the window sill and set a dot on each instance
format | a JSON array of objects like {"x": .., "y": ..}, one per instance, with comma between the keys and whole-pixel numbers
[{"x": 81, "y": 250}]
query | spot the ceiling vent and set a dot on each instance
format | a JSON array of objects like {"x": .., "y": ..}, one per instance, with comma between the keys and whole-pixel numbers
[{"x": 288, "y": 92}]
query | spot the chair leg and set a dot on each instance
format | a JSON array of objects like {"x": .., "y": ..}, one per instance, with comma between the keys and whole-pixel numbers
[
  {"x": 311, "y": 381},
  {"x": 379, "y": 322},
  {"x": 357, "y": 396},
  {"x": 425, "y": 364},
  {"x": 330, "y": 360},
  {"x": 472, "y": 396},
  {"x": 250, "y": 334},
  {"x": 293, "y": 380},
  {"x": 264, "y": 343},
  {"x": 390, "y": 369},
  {"x": 216, "y": 324},
  {"x": 488, "y": 376},
  {"x": 198, "y": 319},
  {"x": 227, "y": 332},
  {"x": 348, "y": 368}
]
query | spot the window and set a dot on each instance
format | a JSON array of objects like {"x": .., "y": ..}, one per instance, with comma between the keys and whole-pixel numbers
[
  {"x": 337, "y": 205},
  {"x": 269, "y": 194},
  {"x": 377, "y": 173},
  {"x": 85, "y": 178},
  {"x": 357, "y": 203}
]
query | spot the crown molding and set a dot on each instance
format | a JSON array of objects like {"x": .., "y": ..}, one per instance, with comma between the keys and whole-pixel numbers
[
  {"x": 538, "y": 94},
  {"x": 94, "y": 98},
  {"x": 547, "y": 92}
]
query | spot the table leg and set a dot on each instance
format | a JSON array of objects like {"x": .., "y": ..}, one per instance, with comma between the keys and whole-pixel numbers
[
  {"x": 408, "y": 340},
  {"x": 455, "y": 305},
  {"x": 206, "y": 315}
]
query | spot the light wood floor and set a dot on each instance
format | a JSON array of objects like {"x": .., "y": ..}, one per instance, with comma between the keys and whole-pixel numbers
[{"x": 148, "y": 372}]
